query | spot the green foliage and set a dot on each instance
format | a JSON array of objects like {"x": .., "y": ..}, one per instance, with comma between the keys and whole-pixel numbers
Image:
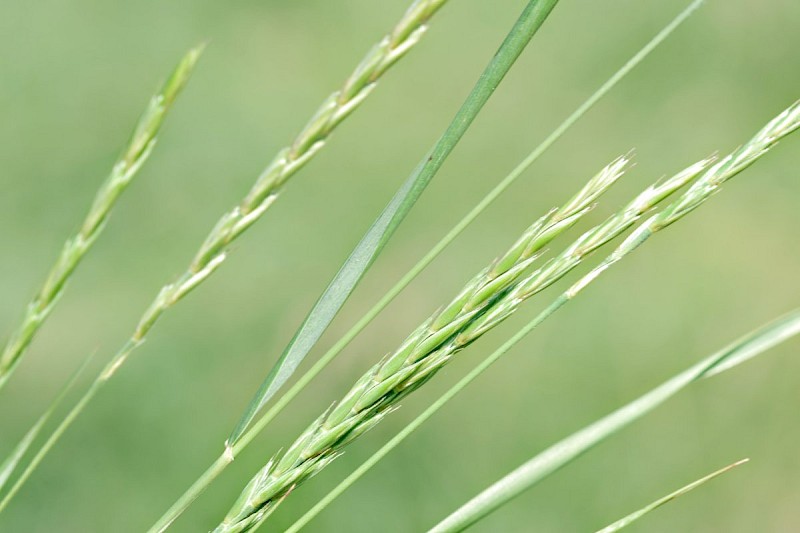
[{"x": 213, "y": 379}]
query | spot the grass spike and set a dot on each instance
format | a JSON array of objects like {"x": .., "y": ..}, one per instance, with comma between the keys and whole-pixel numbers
[
  {"x": 133, "y": 156},
  {"x": 379, "y": 389},
  {"x": 751, "y": 346}
]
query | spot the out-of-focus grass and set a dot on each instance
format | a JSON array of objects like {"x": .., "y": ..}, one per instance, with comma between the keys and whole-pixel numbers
[{"x": 79, "y": 74}]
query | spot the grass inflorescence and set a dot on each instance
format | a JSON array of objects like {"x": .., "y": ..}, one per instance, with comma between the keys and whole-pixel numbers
[
  {"x": 130, "y": 161},
  {"x": 487, "y": 299},
  {"x": 484, "y": 302},
  {"x": 785, "y": 123}
]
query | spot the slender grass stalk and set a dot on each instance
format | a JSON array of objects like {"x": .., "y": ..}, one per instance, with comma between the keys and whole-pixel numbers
[
  {"x": 495, "y": 293},
  {"x": 287, "y": 162},
  {"x": 130, "y": 161},
  {"x": 15, "y": 456},
  {"x": 223, "y": 460},
  {"x": 636, "y": 515},
  {"x": 779, "y": 127},
  {"x": 337, "y": 292},
  {"x": 528, "y": 23},
  {"x": 563, "y": 452}
]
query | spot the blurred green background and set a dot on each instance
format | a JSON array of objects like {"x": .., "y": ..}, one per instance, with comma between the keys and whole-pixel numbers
[{"x": 75, "y": 75}]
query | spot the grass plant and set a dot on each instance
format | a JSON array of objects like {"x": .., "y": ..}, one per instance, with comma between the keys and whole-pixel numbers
[{"x": 485, "y": 301}]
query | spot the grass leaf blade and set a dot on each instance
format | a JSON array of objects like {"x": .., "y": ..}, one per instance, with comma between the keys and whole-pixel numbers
[
  {"x": 636, "y": 515},
  {"x": 382, "y": 229},
  {"x": 568, "y": 449}
]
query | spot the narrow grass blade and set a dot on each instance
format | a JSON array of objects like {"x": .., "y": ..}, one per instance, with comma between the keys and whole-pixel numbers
[
  {"x": 13, "y": 459},
  {"x": 130, "y": 161},
  {"x": 492, "y": 195},
  {"x": 267, "y": 187},
  {"x": 785, "y": 123},
  {"x": 578, "y": 443},
  {"x": 382, "y": 229},
  {"x": 636, "y": 515},
  {"x": 222, "y": 461}
]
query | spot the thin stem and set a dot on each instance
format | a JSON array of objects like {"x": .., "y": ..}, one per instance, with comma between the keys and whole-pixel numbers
[
  {"x": 44, "y": 449},
  {"x": 13, "y": 459},
  {"x": 636, "y": 515}
]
